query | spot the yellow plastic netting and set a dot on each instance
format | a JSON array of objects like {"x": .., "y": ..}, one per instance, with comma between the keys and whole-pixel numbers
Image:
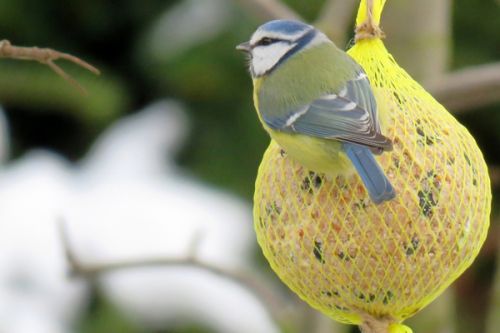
[{"x": 368, "y": 264}]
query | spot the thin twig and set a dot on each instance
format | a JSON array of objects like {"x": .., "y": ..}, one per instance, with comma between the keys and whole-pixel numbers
[
  {"x": 276, "y": 305},
  {"x": 469, "y": 88},
  {"x": 47, "y": 57},
  {"x": 335, "y": 18},
  {"x": 270, "y": 9}
]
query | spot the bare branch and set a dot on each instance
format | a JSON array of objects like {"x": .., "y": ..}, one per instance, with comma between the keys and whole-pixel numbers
[
  {"x": 269, "y": 9},
  {"x": 495, "y": 175},
  {"x": 47, "y": 57},
  {"x": 468, "y": 88},
  {"x": 275, "y": 303},
  {"x": 335, "y": 18}
]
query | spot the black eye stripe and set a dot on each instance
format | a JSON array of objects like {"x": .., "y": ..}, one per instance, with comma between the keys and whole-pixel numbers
[{"x": 268, "y": 41}]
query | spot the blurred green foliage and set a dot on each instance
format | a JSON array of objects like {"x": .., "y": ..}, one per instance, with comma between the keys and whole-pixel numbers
[
  {"x": 209, "y": 78},
  {"x": 103, "y": 317},
  {"x": 475, "y": 31},
  {"x": 226, "y": 139}
]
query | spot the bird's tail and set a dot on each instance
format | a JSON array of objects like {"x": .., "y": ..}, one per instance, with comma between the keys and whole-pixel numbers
[{"x": 372, "y": 175}]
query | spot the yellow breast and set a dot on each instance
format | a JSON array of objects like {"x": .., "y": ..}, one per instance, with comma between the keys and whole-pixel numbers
[{"x": 320, "y": 155}]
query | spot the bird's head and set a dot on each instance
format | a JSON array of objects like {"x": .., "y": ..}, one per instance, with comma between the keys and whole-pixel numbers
[{"x": 276, "y": 41}]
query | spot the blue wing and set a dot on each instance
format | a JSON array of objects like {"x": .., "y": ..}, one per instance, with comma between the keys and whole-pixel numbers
[{"x": 348, "y": 114}]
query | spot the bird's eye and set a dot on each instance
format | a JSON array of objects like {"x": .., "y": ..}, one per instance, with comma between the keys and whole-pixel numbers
[{"x": 266, "y": 41}]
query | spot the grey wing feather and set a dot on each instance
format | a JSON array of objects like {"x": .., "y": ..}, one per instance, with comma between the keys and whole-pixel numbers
[
  {"x": 360, "y": 91},
  {"x": 349, "y": 114}
]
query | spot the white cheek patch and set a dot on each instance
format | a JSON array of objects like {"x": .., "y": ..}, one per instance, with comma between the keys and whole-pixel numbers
[{"x": 264, "y": 58}]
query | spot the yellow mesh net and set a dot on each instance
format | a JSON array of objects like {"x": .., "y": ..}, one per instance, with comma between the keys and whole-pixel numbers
[{"x": 359, "y": 262}]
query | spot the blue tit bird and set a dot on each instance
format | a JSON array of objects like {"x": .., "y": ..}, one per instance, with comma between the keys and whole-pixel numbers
[{"x": 316, "y": 102}]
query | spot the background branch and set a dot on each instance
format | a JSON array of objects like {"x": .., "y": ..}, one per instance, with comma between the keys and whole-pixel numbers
[
  {"x": 468, "y": 88},
  {"x": 335, "y": 18},
  {"x": 269, "y": 9},
  {"x": 419, "y": 36},
  {"x": 277, "y": 307},
  {"x": 47, "y": 57}
]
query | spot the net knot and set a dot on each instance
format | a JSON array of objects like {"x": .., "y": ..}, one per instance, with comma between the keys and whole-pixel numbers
[
  {"x": 368, "y": 29},
  {"x": 385, "y": 324},
  {"x": 375, "y": 325}
]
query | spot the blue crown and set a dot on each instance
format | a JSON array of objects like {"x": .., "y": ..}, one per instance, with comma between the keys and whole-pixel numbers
[{"x": 287, "y": 27}]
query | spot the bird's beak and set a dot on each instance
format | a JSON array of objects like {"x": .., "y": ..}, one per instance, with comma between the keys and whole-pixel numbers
[{"x": 245, "y": 47}]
